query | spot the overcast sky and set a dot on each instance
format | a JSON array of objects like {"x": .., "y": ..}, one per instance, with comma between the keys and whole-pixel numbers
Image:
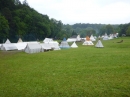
[{"x": 84, "y": 11}]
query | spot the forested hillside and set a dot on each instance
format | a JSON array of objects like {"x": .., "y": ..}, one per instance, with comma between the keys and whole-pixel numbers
[
  {"x": 98, "y": 29},
  {"x": 19, "y": 20}
]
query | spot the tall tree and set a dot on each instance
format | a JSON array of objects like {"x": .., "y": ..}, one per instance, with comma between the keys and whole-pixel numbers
[{"x": 4, "y": 28}]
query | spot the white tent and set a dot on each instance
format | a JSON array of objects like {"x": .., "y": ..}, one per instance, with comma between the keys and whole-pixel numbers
[
  {"x": 45, "y": 46},
  {"x": 64, "y": 44},
  {"x": 20, "y": 40},
  {"x": 111, "y": 36},
  {"x": 88, "y": 43},
  {"x": 33, "y": 48},
  {"x": 105, "y": 37},
  {"x": 78, "y": 38},
  {"x": 7, "y": 41},
  {"x": 92, "y": 38},
  {"x": 71, "y": 39},
  {"x": 21, "y": 46},
  {"x": 74, "y": 45},
  {"x": 115, "y": 35},
  {"x": 32, "y": 42},
  {"x": 46, "y": 40},
  {"x": 99, "y": 44},
  {"x": 95, "y": 37},
  {"x": 9, "y": 46},
  {"x": 74, "y": 38},
  {"x": 54, "y": 45}
]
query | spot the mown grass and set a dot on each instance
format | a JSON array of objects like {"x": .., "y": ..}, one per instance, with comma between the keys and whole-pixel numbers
[{"x": 82, "y": 72}]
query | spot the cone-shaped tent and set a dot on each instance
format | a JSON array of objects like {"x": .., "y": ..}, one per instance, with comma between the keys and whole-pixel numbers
[
  {"x": 74, "y": 45},
  {"x": 92, "y": 38},
  {"x": 88, "y": 41},
  {"x": 64, "y": 44},
  {"x": 87, "y": 38},
  {"x": 99, "y": 44},
  {"x": 20, "y": 40},
  {"x": 7, "y": 41},
  {"x": 105, "y": 37}
]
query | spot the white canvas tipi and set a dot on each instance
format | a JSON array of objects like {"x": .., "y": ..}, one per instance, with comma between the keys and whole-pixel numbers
[
  {"x": 7, "y": 41},
  {"x": 74, "y": 45},
  {"x": 92, "y": 38},
  {"x": 20, "y": 40},
  {"x": 88, "y": 41},
  {"x": 105, "y": 37},
  {"x": 99, "y": 44}
]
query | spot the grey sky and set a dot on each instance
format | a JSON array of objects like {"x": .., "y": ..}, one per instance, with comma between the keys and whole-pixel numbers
[{"x": 84, "y": 11}]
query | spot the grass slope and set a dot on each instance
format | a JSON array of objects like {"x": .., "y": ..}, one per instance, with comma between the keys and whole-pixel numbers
[{"x": 82, "y": 72}]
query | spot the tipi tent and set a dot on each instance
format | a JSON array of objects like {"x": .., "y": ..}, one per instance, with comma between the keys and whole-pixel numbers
[
  {"x": 7, "y": 41},
  {"x": 105, "y": 37},
  {"x": 88, "y": 41},
  {"x": 8, "y": 47},
  {"x": 33, "y": 48},
  {"x": 78, "y": 38},
  {"x": 111, "y": 36},
  {"x": 99, "y": 44},
  {"x": 92, "y": 38},
  {"x": 74, "y": 45},
  {"x": 20, "y": 40},
  {"x": 64, "y": 44}
]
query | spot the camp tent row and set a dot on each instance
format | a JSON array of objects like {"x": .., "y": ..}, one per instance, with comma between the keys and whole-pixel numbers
[
  {"x": 27, "y": 46},
  {"x": 108, "y": 37},
  {"x": 35, "y": 47}
]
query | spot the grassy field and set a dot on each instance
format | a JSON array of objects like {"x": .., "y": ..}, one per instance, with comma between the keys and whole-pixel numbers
[{"x": 85, "y": 71}]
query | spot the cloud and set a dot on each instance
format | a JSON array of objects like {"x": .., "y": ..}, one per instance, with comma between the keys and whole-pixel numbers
[{"x": 84, "y": 11}]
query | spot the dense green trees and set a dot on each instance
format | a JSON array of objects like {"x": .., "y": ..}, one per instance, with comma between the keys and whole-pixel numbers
[
  {"x": 124, "y": 29},
  {"x": 4, "y": 28},
  {"x": 27, "y": 23}
]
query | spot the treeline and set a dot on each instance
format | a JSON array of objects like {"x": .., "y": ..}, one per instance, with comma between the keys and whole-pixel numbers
[
  {"x": 86, "y": 29},
  {"x": 19, "y": 20}
]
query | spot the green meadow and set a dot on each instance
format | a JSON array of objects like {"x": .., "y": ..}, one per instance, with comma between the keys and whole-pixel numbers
[{"x": 85, "y": 71}]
